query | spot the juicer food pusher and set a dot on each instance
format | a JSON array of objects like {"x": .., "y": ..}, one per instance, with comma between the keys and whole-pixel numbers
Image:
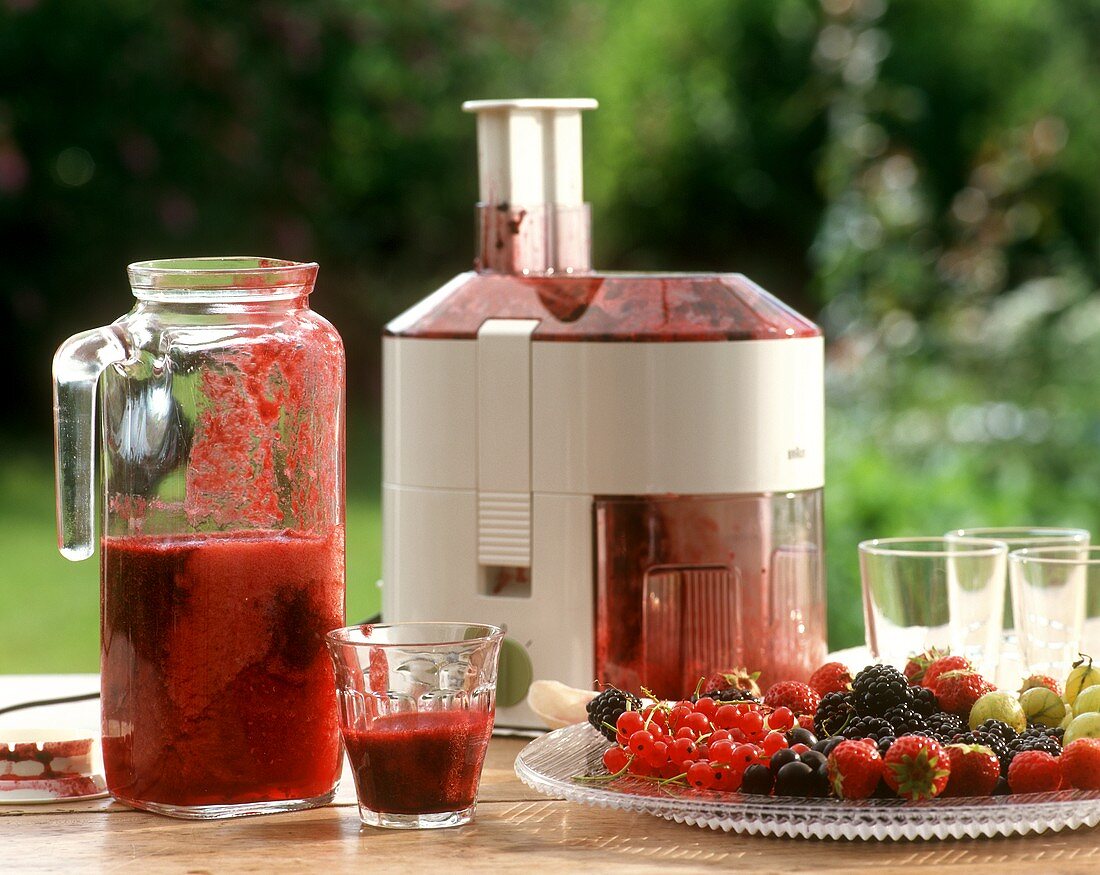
[{"x": 625, "y": 470}]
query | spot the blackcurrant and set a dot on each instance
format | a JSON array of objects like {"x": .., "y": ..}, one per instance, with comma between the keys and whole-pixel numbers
[
  {"x": 801, "y": 735},
  {"x": 794, "y": 779},
  {"x": 826, "y": 745},
  {"x": 781, "y": 757},
  {"x": 814, "y": 759},
  {"x": 757, "y": 780}
]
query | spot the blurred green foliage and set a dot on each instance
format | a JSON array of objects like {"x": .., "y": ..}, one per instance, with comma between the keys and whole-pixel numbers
[{"x": 919, "y": 175}]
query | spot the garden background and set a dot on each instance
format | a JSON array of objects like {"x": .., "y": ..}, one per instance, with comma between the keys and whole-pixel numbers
[{"x": 920, "y": 176}]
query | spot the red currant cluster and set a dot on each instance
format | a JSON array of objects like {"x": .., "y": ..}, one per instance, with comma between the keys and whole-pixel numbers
[{"x": 706, "y": 744}]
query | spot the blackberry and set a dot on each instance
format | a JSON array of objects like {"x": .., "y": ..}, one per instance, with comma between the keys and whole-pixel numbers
[
  {"x": 1029, "y": 742},
  {"x": 905, "y": 720},
  {"x": 833, "y": 714},
  {"x": 606, "y": 708},
  {"x": 923, "y": 701},
  {"x": 730, "y": 694},
  {"x": 999, "y": 728},
  {"x": 877, "y": 689},
  {"x": 990, "y": 739},
  {"x": 943, "y": 726},
  {"x": 868, "y": 727}
]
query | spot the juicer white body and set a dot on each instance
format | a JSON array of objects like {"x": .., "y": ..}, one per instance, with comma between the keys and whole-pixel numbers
[{"x": 495, "y": 448}]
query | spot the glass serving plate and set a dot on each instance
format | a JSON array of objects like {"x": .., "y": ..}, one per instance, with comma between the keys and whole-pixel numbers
[{"x": 549, "y": 763}]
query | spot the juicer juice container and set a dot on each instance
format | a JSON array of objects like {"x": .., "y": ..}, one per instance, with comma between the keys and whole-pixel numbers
[{"x": 625, "y": 470}]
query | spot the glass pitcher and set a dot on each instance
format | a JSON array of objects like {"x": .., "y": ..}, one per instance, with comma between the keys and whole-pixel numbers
[{"x": 221, "y": 420}]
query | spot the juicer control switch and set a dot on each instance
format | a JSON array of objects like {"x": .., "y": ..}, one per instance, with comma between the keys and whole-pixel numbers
[{"x": 504, "y": 442}]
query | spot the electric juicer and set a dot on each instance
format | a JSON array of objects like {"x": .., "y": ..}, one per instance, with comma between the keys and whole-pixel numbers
[{"x": 625, "y": 470}]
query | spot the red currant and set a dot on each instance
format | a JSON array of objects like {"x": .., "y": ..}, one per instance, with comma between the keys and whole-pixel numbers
[
  {"x": 800, "y": 748},
  {"x": 781, "y": 718},
  {"x": 670, "y": 770},
  {"x": 640, "y": 767},
  {"x": 721, "y": 751},
  {"x": 744, "y": 755},
  {"x": 719, "y": 735},
  {"x": 751, "y": 723},
  {"x": 701, "y": 776},
  {"x": 654, "y": 719},
  {"x": 641, "y": 742},
  {"x": 706, "y": 706},
  {"x": 677, "y": 715},
  {"x": 628, "y": 723},
  {"x": 725, "y": 717},
  {"x": 615, "y": 759},
  {"x": 773, "y": 741},
  {"x": 697, "y": 721},
  {"x": 721, "y": 776},
  {"x": 687, "y": 732},
  {"x": 657, "y": 755},
  {"x": 682, "y": 749}
]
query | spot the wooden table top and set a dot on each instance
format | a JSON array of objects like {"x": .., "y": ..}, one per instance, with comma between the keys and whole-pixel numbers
[{"x": 515, "y": 830}]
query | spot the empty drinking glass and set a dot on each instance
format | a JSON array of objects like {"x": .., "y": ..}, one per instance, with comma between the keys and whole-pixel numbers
[
  {"x": 1012, "y": 667},
  {"x": 933, "y": 592},
  {"x": 1056, "y": 597}
]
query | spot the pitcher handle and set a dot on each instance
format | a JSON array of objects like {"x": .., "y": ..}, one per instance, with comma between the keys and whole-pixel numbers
[{"x": 77, "y": 366}]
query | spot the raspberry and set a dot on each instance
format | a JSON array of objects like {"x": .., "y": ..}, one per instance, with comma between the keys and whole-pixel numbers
[
  {"x": 832, "y": 677},
  {"x": 877, "y": 689},
  {"x": 941, "y": 665},
  {"x": 799, "y": 698},
  {"x": 855, "y": 768},
  {"x": 917, "y": 767},
  {"x": 1034, "y": 771},
  {"x": 975, "y": 770},
  {"x": 1080, "y": 763}
]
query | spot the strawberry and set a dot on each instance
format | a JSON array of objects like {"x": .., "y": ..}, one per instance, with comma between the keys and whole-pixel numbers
[
  {"x": 832, "y": 677},
  {"x": 957, "y": 691},
  {"x": 1041, "y": 680},
  {"x": 1034, "y": 771},
  {"x": 974, "y": 770},
  {"x": 731, "y": 679},
  {"x": 942, "y": 665},
  {"x": 918, "y": 664},
  {"x": 800, "y": 698},
  {"x": 855, "y": 768},
  {"x": 917, "y": 767},
  {"x": 1080, "y": 763}
]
